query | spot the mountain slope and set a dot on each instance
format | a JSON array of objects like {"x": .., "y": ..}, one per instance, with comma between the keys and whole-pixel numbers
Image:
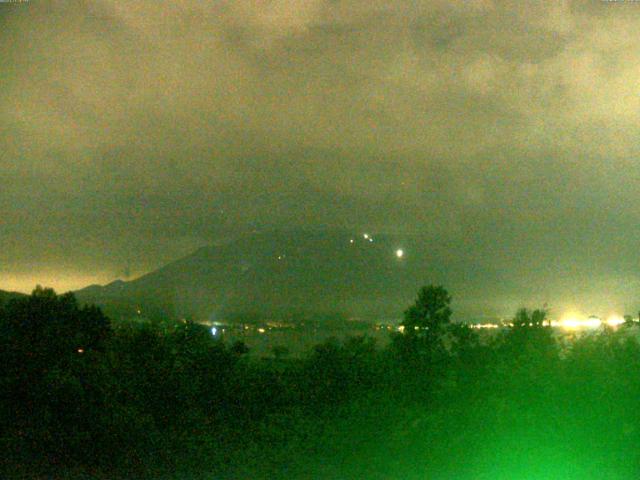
[
  {"x": 6, "y": 296},
  {"x": 279, "y": 274}
]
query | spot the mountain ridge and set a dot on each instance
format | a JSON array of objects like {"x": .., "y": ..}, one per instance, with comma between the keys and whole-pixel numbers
[
  {"x": 6, "y": 296},
  {"x": 281, "y": 273}
]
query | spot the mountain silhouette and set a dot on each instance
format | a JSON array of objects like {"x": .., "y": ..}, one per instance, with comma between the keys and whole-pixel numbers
[
  {"x": 278, "y": 274},
  {"x": 7, "y": 296}
]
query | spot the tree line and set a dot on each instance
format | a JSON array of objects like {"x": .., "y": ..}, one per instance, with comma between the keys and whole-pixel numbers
[{"x": 83, "y": 397}]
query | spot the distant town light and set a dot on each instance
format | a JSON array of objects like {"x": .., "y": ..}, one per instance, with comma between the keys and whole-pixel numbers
[
  {"x": 366, "y": 236},
  {"x": 214, "y": 331},
  {"x": 351, "y": 241},
  {"x": 573, "y": 322},
  {"x": 261, "y": 330},
  {"x": 615, "y": 320},
  {"x": 399, "y": 253}
]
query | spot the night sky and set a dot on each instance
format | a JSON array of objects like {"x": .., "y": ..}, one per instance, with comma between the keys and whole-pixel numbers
[{"x": 504, "y": 132}]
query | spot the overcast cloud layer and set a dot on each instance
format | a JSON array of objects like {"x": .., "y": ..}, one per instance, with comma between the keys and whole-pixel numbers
[{"x": 134, "y": 131}]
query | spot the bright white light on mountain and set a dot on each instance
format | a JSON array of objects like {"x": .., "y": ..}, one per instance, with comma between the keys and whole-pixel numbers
[
  {"x": 399, "y": 253},
  {"x": 366, "y": 236},
  {"x": 214, "y": 331}
]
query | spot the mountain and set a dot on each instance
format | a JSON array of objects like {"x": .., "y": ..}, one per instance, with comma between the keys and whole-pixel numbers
[
  {"x": 6, "y": 296},
  {"x": 280, "y": 274}
]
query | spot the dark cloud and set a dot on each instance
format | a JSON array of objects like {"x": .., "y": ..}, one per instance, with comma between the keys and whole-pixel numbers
[{"x": 133, "y": 132}]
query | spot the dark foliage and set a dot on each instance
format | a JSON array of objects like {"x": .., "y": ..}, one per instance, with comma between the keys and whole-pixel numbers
[{"x": 82, "y": 398}]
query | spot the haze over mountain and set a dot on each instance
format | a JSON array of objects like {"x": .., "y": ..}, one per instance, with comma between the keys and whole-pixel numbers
[{"x": 284, "y": 273}]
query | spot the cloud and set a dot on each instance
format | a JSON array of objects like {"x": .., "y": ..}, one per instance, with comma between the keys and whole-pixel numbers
[{"x": 159, "y": 126}]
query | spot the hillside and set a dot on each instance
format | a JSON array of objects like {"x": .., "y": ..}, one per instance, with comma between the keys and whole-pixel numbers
[
  {"x": 6, "y": 296},
  {"x": 279, "y": 274}
]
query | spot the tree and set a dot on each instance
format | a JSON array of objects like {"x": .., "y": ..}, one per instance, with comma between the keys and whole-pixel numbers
[
  {"x": 52, "y": 375},
  {"x": 430, "y": 312},
  {"x": 529, "y": 337},
  {"x": 239, "y": 348},
  {"x": 280, "y": 352},
  {"x": 423, "y": 328},
  {"x": 628, "y": 321},
  {"x": 526, "y": 318},
  {"x": 45, "y": 329}
]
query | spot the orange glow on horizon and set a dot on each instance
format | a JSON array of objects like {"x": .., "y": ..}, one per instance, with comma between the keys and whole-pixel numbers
[{"x": 60, "y": 282}]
